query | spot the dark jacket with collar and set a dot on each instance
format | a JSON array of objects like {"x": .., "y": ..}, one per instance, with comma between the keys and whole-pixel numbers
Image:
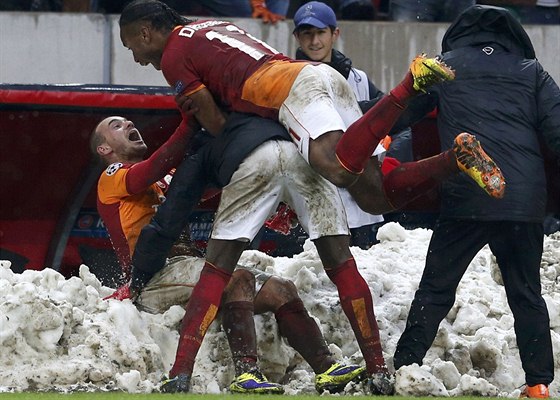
[{"x": 502, "y": 95}]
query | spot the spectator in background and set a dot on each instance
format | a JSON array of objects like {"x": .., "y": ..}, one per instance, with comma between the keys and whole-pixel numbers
[
  {"x": 364, "y": 10},
  {"x": 541, "y": 12},
  {"x": 47, "y": 5},
  {"x": 544, "y": 12},
  {"x": 270, "y": 11},
  {"x": 427, "y": 10},
  {"x": 503, "y": 95}
]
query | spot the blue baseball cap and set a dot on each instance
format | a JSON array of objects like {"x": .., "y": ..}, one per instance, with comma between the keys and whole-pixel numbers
[{"x": 316, "y": 14}]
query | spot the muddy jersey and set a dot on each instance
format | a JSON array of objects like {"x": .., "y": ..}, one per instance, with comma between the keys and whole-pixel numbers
[
  {"x": 125, "y": 214},
  {"x": 243, "y": 73}
]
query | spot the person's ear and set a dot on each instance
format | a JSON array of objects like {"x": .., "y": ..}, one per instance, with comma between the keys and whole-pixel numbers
[
  {"x": 146, "y": 34},
  {"x": 104, "y": 149},
  {"x": 336, "y": 33}
]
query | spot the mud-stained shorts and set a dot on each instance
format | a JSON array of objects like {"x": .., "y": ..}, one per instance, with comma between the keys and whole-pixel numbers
[
  {"x": 174, "y": 284},
  {"x": 272, "y": 173},
  {"x": 320, "y": 101}
]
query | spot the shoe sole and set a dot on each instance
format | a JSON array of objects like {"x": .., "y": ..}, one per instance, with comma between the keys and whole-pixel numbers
[
  {"x": 339, "y": 387},
  {"x": 255, "y": 391},
  {"x": 483, "y": 169},
  {"x": 438, "y": 68},
  {"x": 535, "y": 393},
  {"x": 442, "y": 71}
]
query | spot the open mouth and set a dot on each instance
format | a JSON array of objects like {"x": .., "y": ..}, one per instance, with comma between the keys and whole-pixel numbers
[{"x": 134, "y": 136}]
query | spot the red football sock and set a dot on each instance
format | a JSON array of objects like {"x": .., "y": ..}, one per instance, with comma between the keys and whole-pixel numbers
[
  {"x": 356, "y": 146},
  {"x": 404, "y": 90},
  {"x": 356, "y": 301},
  {"x": 304, "y": 335},
  {"x": 410, "y": 180},
  {"x": 200, "y": 311},
  {"x": 238, "y": 323}
]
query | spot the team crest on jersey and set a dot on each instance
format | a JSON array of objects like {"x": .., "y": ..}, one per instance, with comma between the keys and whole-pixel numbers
[
  {"x": 179, "y": 86},
  {"x": 113, "y": 168}
]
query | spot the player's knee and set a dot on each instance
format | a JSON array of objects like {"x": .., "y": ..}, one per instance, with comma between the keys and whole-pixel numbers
[
  {"x": 243, "y": 277},
  {"x": 279, "y": 291},
  {"x": 241, "y": 287}
]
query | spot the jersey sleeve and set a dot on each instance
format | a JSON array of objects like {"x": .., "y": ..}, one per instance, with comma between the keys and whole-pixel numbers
[
  {"x": 111, "y": 187},
  {"x": 179, "y": 72}
]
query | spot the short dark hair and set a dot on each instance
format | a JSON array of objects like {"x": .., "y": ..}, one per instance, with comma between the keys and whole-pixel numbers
[
  {"x": 95, "y": 139},
  {"x": 160, "y": 15}
]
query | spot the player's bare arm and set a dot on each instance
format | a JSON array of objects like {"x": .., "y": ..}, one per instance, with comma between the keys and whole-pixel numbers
[{"x": 208, "y": 114}]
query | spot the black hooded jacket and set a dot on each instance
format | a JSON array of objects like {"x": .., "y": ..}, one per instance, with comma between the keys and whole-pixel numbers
[{"x": 502, "y": 95}]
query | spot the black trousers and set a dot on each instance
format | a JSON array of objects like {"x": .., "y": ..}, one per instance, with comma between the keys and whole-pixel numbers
[
  {"x": 157, "y": 237},
  {"x": 518, "y": 249}
]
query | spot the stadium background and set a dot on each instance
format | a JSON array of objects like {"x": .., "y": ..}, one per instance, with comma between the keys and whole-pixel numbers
[{"x": 61, "y": 73}]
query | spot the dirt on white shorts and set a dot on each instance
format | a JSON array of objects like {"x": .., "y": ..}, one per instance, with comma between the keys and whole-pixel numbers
[
  {"x": 173, "y": 285},
  {"x": 320, "y": 101},
  {"x": 272, "y": 173}
]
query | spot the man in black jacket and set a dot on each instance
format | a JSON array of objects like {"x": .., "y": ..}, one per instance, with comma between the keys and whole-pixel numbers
[{"x": 501, "y": 94}]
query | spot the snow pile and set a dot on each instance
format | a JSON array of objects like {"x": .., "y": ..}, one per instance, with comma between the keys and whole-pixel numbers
[{"x": 58, "y": 334}]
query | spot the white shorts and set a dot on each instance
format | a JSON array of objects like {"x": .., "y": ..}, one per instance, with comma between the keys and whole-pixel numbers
[
  {"x": 173, "y": 285},
  {"x": 320, "y": 101},
  {"x": 356, "y": 216},
  {"x": 272, "y": 173}
]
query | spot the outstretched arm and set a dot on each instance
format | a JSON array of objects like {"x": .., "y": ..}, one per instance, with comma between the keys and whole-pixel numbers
[
  {"x": 207, "y": 112},
  {"x": 141, "y": 175}
]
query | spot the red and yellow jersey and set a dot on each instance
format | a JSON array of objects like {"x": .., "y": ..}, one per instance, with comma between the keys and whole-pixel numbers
[
  {"x": 125, "y": 214},
  {"x": 243, "y": 73}
]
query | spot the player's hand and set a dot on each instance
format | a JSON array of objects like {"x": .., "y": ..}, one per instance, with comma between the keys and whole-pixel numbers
[
  {"x": 188, "y": 110},
  {"x": 260, "y": 11},
  {"x": 186, "y": 105}
]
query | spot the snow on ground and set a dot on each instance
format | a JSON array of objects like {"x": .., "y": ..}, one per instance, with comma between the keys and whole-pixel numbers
[{"x": 58, "y": 334}]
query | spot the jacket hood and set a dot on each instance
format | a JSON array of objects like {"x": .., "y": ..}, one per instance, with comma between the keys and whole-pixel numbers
[{"x": 487, "y": 24}]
